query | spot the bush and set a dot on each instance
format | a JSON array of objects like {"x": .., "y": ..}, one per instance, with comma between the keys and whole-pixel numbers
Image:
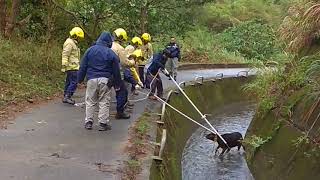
[
  {"x": 28, "y": 70},
  {"x": 252, "y": 39},
  {"x": 201, "y": 46},
  {"x": 221, "y": 15}
]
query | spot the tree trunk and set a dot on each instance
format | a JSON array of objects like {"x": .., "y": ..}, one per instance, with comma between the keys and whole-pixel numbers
[
  {"x": 3, "y": 16},
  {"x": 15, "y": 10},
  {"x": 50, "y": 20},
  {"x": 143, "y": 18},
  {"x": 95, "y": 25}
]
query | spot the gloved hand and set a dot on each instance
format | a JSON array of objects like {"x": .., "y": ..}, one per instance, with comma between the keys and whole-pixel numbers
[
  {"x": 137, "y": 86},
  {"x": 63, "y": 69},
  {"x": 165, "y": 72}
]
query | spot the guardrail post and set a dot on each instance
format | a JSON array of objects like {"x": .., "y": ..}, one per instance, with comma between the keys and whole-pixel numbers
[
  {"x": 246, "y": 74},
  {"x": 199, "y": 77},
  {"x": 162, "y": 145},
  {"x": 219, "y": 76},
  {"x": 183, "y": 83}
]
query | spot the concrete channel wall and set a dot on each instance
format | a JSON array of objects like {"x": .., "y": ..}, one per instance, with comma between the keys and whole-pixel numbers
[
  {"x": 284, "y": 142},
  {"x": 209, "y": 96}
]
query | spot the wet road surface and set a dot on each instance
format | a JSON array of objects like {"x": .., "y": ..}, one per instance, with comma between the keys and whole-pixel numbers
[{"x": 50, "y": 143}]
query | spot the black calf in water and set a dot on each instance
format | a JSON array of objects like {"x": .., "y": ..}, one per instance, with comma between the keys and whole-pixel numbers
[{"x": 233, "y": 139}]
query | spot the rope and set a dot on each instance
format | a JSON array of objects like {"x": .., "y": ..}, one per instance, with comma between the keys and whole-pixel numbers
[
  {"x": 202, "y": 115},
  {"x": 189, "y": 118},
  {"x": 135, "y": 100}
]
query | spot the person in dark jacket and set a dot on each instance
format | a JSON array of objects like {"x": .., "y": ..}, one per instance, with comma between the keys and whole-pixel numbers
[
  {"x": 172, "y": 64},
  {"x": 158, "y": 64},
  {"x": 99, "y": 64}
]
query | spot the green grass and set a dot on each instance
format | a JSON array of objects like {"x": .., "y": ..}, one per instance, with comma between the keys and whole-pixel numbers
[{"x": 28, "y": 70}]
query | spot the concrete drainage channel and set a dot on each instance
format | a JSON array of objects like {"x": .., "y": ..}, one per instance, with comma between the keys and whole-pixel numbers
[{"x": 174, "y": 130}]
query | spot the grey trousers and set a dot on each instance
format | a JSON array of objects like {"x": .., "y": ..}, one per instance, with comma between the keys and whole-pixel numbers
[
  {"x": 172, "y": 66},
  {"x": 98, "y": 94}
]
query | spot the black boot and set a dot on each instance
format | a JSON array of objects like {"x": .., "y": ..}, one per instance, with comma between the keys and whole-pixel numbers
[
  {"x": 104, "y": 127},
  {"x": 68, "y": 100},
  {"x": 122, "y": 115},
  {"x": 88, "y": 125},
  {"x": 175, "y": 78}
]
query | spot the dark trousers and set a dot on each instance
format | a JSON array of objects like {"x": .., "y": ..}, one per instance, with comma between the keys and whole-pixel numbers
[
  {"x": 121, "y": 95},
  {"x": 141, "y": 73},
  {"x": 156, "y": 85},
  {"x": 128, "y": 77},
  {"x": 71, "y": 83}
]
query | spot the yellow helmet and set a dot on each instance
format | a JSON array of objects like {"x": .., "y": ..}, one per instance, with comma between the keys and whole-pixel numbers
[
  {"x": 136, "y": 40},
  {"x": 121, "y": 33},
  {"x": 137, "y": 53},
  {"x": 146, "y": 37},
  {"x": 76, "y": 31}
]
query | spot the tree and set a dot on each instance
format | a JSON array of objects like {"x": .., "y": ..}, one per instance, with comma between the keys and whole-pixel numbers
[
  {"x": 9, "y": 18},
  {"x": 148, "y": 15}
]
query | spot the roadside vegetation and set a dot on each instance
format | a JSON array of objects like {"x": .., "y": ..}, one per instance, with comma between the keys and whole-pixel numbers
[
  {"x": 240, "y": 31},
  {"x": 291, "y": 93}
]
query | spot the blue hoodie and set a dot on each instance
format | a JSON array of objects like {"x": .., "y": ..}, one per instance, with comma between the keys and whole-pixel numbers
[
  {"x": 100, "y": 61},
  {"x": 158, "y": 62},
  {"x": 174, "y": 50}
]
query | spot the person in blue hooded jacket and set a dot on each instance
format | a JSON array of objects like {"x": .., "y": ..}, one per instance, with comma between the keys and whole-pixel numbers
[
  {"x": 99, "y": 64},
  {"x": 153, "y": 80},
  {"x": 172, "y": 64}
]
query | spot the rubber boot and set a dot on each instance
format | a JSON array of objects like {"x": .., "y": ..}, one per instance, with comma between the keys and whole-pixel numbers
[{"x": 122, "y": 115}]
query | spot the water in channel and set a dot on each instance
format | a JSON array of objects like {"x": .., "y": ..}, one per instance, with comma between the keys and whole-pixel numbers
[{"x": 199, "y": 161}]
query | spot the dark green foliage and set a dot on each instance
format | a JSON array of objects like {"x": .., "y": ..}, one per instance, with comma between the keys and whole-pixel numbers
[{"x": 252, "y": 39}]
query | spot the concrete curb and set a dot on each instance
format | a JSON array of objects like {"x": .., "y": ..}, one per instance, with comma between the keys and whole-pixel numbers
[{"x": 190, "y": 66}]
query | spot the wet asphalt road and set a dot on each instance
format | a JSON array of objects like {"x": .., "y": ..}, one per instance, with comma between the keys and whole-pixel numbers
[{"x": 50, "y": 143}]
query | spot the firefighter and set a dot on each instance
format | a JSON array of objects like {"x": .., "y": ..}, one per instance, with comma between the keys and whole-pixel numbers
[{"x": 71, "y": 63}]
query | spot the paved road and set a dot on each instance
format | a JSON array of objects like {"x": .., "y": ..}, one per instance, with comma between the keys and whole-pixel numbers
[{"x": 50, "y": 143}]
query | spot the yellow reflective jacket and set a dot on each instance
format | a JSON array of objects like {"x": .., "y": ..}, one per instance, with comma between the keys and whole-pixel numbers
[
  {"x": 130, "y": 49},
  {"x": 70, "y": 55},
  {"x": 147, "y": 53},
  {"x": 124, "y": 61}
]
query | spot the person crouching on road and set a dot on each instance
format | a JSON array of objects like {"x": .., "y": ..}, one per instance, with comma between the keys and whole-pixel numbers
[
  {"x": 134, "y": 80},
  {"x": 172, "y": 64},
  {"x": 121, "y": 36},
  {"x": 99, "y": 64},
  {"x": 135, "y": 44},
  {"x": 147, "y": 52},
  {"x": 71, "y": 63},
  {"x": 153, "y": 78}
]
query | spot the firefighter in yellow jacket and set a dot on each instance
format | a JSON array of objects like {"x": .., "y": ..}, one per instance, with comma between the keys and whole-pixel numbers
[
  {"x": 135, "y": 44},
  {"x": 121, "y": 36},
  {"x": 71, "y": 63},
  {"x": 147, "y": 53}
]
